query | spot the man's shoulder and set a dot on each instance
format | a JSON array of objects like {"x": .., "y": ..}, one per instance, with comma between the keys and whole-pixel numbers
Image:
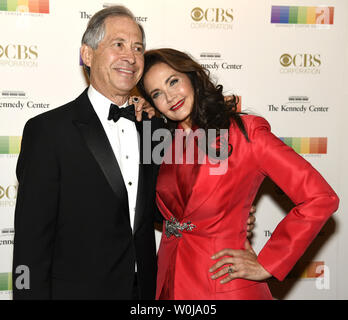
[{"x": 58, "y": 114}]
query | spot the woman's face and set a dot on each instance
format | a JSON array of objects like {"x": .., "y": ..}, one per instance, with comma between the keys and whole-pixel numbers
[{"x": 171, "y": 92}]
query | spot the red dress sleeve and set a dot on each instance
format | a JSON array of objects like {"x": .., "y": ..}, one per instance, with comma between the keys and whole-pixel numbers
[{"x": 315, "y": 201}]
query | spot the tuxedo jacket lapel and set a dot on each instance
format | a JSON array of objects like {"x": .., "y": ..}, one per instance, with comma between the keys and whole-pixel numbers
[{"x": 91, "y": 129}]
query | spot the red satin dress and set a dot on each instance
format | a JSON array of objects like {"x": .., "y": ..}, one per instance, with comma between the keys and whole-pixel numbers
[{"x": 210, "y": 213}]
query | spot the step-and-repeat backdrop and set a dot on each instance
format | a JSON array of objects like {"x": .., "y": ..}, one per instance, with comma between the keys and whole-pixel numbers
[{"x": 286, "y": 60}]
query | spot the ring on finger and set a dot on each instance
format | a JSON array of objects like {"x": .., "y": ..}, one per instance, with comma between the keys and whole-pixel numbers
[
  {"x": 135, "y": 99},
  {"x": 230, "y": 270}
]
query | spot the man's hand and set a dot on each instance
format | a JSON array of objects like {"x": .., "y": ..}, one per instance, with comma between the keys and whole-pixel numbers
[{"x": 141, "y": 105}]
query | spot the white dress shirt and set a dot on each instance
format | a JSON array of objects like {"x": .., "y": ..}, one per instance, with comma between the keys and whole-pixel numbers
[{"x": 123, "y": 138}]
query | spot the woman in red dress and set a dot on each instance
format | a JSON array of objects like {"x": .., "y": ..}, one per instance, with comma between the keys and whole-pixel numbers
[{"x": 204, "y": 253}]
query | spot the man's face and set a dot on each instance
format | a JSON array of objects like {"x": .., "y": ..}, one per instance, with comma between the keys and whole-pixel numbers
[{"x": 118, "y": 62}]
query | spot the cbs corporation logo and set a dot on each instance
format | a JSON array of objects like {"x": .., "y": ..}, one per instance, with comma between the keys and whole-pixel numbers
[
  {"x": 300, "y": 63},
  {"x": 18, "y": 55},
  {"x": 212, "y": 18}
]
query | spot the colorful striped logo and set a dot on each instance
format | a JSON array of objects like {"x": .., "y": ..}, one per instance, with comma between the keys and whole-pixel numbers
[
  {"x": 10, "y": 145},
  {"x": 307, "y": 145},
  {"x": 308, "y": 270},
  {"x": 5, "y": 281},
  {"x": 302, "y": 15},
  {"x": 314, "y": 270},
  {"x": 34, "y": 6}
]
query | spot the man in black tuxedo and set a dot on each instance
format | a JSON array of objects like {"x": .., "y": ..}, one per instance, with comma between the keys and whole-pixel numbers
[{"x": 84, "y": 220}]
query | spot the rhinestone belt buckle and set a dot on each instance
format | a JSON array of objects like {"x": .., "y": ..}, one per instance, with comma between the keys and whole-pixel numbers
[{"x": 174, "y": 227}]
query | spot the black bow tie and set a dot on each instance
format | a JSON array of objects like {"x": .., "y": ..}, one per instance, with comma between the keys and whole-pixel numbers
[{"x": 115, "y": 112}]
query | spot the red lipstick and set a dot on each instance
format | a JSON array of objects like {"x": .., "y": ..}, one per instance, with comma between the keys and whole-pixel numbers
[{"x": 178, "y": 105}]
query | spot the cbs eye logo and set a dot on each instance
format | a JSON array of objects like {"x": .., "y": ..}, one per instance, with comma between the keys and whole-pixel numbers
[
  {"x": 212, "y": 15},
  {"x": 10, "y": 192},
  {"x": 197, "y": 14},
  {"x": 285, "y": 60}
]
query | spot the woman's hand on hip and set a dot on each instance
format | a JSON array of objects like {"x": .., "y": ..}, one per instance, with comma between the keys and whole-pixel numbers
[{"x": 235, "y": 264}]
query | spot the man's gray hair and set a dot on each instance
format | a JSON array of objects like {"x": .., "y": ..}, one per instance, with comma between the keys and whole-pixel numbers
[{"x": 95, "y": 31}]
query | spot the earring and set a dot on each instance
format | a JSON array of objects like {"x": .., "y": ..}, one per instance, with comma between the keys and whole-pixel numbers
[{"x": 165, "y": 120}]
